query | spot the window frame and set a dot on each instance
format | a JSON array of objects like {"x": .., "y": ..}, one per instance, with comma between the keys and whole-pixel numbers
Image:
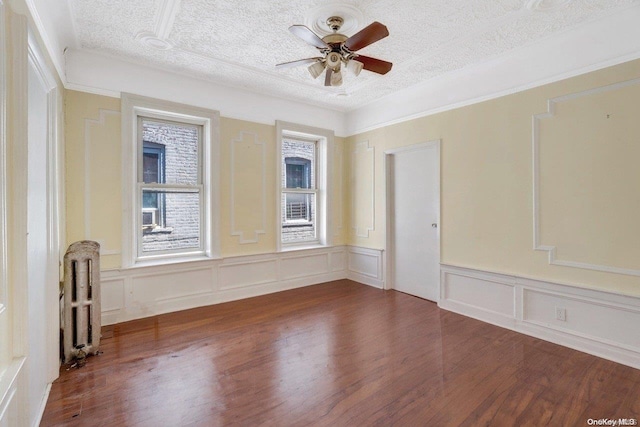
[
  {"x": 135, "y": 109},
  {"x": 324, "y": 141}
]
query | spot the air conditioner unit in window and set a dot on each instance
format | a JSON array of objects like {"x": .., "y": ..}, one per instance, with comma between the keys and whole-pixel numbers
[{"x": 149, "y": 217}]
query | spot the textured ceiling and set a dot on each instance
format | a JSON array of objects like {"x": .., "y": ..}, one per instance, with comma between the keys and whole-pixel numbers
[{"x": 238, "y": 43}]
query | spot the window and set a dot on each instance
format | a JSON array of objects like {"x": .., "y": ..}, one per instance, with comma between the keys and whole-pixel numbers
[
  {"x": 302, "y": 183},
  {"x": 299, "y": 190},
  {"x": 171, "y": 153}
]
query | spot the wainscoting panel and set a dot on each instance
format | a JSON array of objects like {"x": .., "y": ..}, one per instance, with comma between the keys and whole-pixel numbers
[
  {"x": 112, "y": 293},
  {"x": 338, "y": 261},
  {"x": 12, "y": 381},
  {"x": 494, "y": 295},
  {"x": 365, "y": 266},
  {"x": 162, "y": 286},
  {"x": 305, "y": 265},
  {"x": 248, "y": 273},
  {"x": 600, "y": 323},
  {"x": 147, "y": 291},
  {"x": 605, "y": 322}
]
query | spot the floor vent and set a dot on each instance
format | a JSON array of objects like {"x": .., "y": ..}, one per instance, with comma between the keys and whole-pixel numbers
[{"x": 81, "y": 299}]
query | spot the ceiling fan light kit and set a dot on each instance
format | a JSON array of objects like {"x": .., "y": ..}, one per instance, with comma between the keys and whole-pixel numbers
[
  {"x": 355, "y": 67},
  {"x": 337, "y": 50},
  {"x": 316, "y": 69}
]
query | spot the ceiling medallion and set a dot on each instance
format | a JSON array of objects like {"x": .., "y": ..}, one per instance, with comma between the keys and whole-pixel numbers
[
  {"x": 547, "y": 5},
  {"x": 316, "y": 19},
  {"x": 149, "y": 39}
]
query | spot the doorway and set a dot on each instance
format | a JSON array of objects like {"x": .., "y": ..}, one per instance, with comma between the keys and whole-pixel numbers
[
  {"x": 413, "y": 219},
  {"x": 42, "y": 226}
]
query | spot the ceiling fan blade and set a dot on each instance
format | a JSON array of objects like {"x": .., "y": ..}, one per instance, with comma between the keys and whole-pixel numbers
[
  {"x": 368, "y": 35},
  {"x": 308, "y": 36},
  {"x": 327, "y": 78},
  {"x": 376, "y": 65},
  {"x": 299, "y": 62}
]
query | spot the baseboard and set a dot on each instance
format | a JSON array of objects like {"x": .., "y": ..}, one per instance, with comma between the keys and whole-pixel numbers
[
  {"x": 43, "y": 405},
  {"x": 600, "y": 323},
  {"x": 136, "y": 293}
]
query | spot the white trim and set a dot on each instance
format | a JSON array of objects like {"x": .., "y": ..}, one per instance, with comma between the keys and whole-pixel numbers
[
  {"x": 535, "y": 142},
  {"x": 338, "y": 184},
  {"x": 17, "y": 145},
  {"x": 324, "y": 139},
  {"x": 3, "y": 166},
  {"x": 597, "y": 322},
  {"x": 263, "y": 192},
  {"x": 134, "y": 106},
  {"x": 110, "y": 75},
  {"x": 50, "y": 43},
  {"x": 42, "y": 406},
  {"x": 11, "y": 393},
  {"x": 166, "y": 17},
  {"x": 139, "y": 292},
  {"x": 533, "y": 65},
  {"x": 103, "y": 113},
  {"x": 437, "y": 143},
  {"x": 368, "y": 228},
  {"x": 92, "y": 90},
  {"x": 53, "y": 220}
]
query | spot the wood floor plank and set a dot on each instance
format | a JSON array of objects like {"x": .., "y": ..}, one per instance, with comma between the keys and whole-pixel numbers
[{"x": 334, "y": 354}]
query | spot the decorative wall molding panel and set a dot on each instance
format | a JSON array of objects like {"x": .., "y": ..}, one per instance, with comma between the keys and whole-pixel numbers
[
  {"x": 365, "y": 266},
  {"x": 147, "y": 291},
  {"x": 363, "y": 190},
  {"x": 338, "y": 185},
  {"x": 93, "y": 168},
  {"x": 536, "y": 124},
  {"x": 599, "y": 323},
  {"x": 248, "y": 194}
]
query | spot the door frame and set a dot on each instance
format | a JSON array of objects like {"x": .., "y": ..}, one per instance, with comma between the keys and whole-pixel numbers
[
  {"x": 54, "y": 177},
  {"x": 389, "y": 197}
]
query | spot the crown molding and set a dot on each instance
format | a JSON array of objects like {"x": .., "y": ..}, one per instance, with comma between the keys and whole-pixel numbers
[{"x": 613, "y": 39}]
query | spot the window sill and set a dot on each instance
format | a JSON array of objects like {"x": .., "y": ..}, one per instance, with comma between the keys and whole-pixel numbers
[
  {"x": 303, "y": 247},
  {"x": 154, "y": 262}
]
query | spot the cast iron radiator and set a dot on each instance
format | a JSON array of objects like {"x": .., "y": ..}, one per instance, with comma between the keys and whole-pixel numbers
[{"x": 81, "y": 299}]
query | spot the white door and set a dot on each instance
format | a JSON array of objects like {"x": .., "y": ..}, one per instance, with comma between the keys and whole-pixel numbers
[
  {"x": 42, "y": 280},
  {"x": 414, "y": 198}
]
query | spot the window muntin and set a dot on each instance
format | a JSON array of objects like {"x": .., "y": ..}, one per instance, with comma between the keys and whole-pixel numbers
[{"x": 170, "y": 202}]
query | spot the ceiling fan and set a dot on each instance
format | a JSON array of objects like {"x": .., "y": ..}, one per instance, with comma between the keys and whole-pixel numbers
[{"x": 337, "y": 49}]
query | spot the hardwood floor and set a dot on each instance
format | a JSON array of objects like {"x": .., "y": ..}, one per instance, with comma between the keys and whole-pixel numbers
[{"x": 335, "y": 354}]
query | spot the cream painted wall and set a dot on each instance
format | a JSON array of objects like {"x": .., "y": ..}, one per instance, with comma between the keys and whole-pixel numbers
[
  {"x": 93, "y": 181},
  {"x": 487, "y": 186},
  {"x": 93, "y": 195}
]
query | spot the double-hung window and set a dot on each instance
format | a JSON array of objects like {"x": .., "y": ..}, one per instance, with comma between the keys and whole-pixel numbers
[
  {"x": 171, "y": 151},
  {"x": 303, "y": 184}
]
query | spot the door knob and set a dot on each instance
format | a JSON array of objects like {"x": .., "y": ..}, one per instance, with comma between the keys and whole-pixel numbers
[{"x": 434, "y": 225}]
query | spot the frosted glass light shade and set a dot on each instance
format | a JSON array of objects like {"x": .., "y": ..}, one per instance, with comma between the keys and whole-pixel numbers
[{"x": 316, "y": 69}]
